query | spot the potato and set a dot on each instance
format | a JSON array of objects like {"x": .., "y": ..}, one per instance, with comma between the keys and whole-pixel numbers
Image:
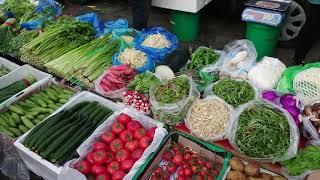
[
  {"x": 252, "y": 169},
  {"x": 278, "y": 178},
  {"x": 236, "y": 164},
  {"x": 266, "y": 176},
  {"x": 236, "y": 175}
]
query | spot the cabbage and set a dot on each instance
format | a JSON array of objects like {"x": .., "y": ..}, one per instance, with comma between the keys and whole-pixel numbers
[
  {"x": 288, "y": 100},
  {"x": 269, "y": 95}
]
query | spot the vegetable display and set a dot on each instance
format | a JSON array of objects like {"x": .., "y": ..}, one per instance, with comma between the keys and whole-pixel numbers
[
  {"x": 60, "y": 135},
  {"x": 14, "y": 88},
  {"x": 262, "y": 132},
  {"x": 57, "y": 41},
  {"x": 313, "y": 113},
  {"x": 3, "y": 70},
  {"x": 307, "y": 159},
  {"x": 86, "y": 63},
  {"x": 20, "y": 8},
  {"x": 25, "y": 114},
  {"x": 202, "y": 57},
  {"x": 181, "y": 162},
  {"x": 136, "y": 100},
  {"x": 142, "y": 82},
  {"x": 156, "y": 41},
  {"x": 117, "y": 150},
  {"x": 133, "y": 57},
  {"x": 251, "y": 171},
  {"x": 7, "y": 31},
  {"x": 208, "y": 118},
  {"x": 234, "y": 92},
  {"x": 20, "y": 40}
]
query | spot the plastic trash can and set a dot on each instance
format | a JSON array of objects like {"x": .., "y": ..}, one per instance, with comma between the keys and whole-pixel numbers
[
  {"x": 264, "y": 38},
  {"x": 185, "y": 25}
]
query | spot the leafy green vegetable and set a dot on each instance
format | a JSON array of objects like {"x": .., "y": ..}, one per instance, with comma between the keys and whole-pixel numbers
[
  {"x": 142, "y": 83},
  {"x": 7, "y": 32},
  {"x": 173, "y": 90},
  {"x": 22, "y": 9},
  {"x": 202, "y": 57},
  {"x": 201, "y": 78},
  {"x": 3, "y": 70},
  {"x": 21, "y": 39},
  {"x": 262, "y": 132},
  {"x": 234, "y": 92},
  {"x": 306, "y": 159}
]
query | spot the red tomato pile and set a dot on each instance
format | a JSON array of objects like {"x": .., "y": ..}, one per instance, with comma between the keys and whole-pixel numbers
[
  {"x": 185, "y": 164},
  {"x": 114, "y": 155}
]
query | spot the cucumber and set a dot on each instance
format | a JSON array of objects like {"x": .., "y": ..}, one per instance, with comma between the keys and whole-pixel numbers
[
  {"x": 36, "y": 121},
  {"x": 23, "y": 128},
  {"x": 78, "y": 106},
  {"x": 41, "y": 110},
  {"x": 53, "y": 106},
  {"x": 63, "y": 101},
  {"x": 51, "y": 95},
  {"x": 41, "y": 116},
  {"x": 60, "y": 140},
  {"x": 16, "y": 117},
  {"x": 104, "y": 118},
  {"x": 88, "y": 108},
  {"x": 36, "y": 132},
  {"x": 6, "y": 131},
  {"x": 57, "y": 89},
  {"x": 3, "y": 122},
  {"x": 68, "y": 91},
  {"x": 64, "y": 96},
  {"x": 44, "y": 97},
  {"x": 45, "y": 144},
  {"x": 16, "y": 109},
  {"x": 31, "y": 104},
  {"x": 27, "y": 122},
  {"x": 10, "y": 120},
  {"x": 29, "y": 116},
  {"x": 99, "y": 116},
  {"x": 15, "y": 131},
  {"x": 24, "y": 105},
  {"x": 39, "y": 101}
]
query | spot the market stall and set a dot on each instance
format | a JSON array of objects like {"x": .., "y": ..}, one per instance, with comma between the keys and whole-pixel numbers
[{"x": 83, "y": 99}]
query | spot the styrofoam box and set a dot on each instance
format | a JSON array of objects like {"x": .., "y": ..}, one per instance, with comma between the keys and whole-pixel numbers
[
  {"x": 8, "y": 64},
  {"x": 19, "y": 74},
  {"x": 191, "y": 6},
  {"x": 36, "y": 163}
]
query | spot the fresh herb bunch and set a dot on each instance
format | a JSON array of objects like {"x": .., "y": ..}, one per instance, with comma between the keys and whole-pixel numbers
[
  {"x": 7, "y": 31},
  {"x": 234, "y": 92},
  {"x": 142, "y": 82},
  {"x": 173, "y": 90},
  {"x": 22, "y": 9},
  {"x": 201, "y": 78},
  {"x": 203, "y": 56},
  {"x": 263, "y": 132},
  {"x": 21, "y": 39},
  {"x": 307, "y": 159}
]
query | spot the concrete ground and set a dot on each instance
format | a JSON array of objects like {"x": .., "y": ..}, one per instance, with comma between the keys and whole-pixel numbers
[{"x": 218, "y": 25}]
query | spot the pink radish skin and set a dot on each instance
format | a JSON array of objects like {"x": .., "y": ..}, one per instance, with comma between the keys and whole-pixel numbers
[
  {"x": 120, "y": 68},
  {"x": 105, "y": 87}
]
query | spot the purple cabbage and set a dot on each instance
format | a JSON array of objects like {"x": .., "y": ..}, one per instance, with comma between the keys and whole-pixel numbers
[
  {"x": 269, "y": 95},
  {"x": 288, "y": 100}
]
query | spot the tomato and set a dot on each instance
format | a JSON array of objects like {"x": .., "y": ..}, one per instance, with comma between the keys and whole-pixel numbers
[
  {"x": 207, "y": 165},
  {"x": 131, "y": 145},
  {"x": 171, "y": 168},
  {"x": 99, "y": 146},
  {"x": 122, "y": 155},
  {"x": 181, "y": 178},
  {"x": 116, "y": 145},
  {"x": 205, "y": 169},
  {"x": 127, "y": 164},
  {"x": 83, "y": 166},
  {"x": 165, "y": 176},
  {"x": 177, "y": 148},
  {"x": 155, "y": 177},
  {"x": 200, "y": 161},
  {"x": 181, "y": 172},
  {"x": 187, "y": 172},
  {"x": 98, "y": 169},
  {"x": 110, "y": 157},
  {"x": 184, "y": 165},
  {"x": 99, "y": 157},
  {"x": 89, "y": 157},
  {"x": 126, "y": 136},
  {"x": 187, "y": 150},
  {"x": 197, "y": 177},
  {"x": 167, "y": 155},
  {"x": 137, "y": 154},
  {"x": 113, "y": 167},
  {"x": 195, "y": 155},
  {"x": 103, "y": 176},
  {"x": 151, "y": 132},
  {"x": 124, "y": 118},
  {"x": 158, "y": 170},
  {"x": 133, "y": 125},
  {"x": 107, "y": 137},
  {"x": 117, "y": 128},
  {"x": 219, "y": 167},
  {"x": 194, "y": 168},
  {"x": 139, "y": 133},
  {"x": 177, "y": 159},
  {"x": 118, "y": 175},
  {"x": 215, "y": 172},
  {"x": 187, "y": 157},
  {"x": 145, "y": 141}
]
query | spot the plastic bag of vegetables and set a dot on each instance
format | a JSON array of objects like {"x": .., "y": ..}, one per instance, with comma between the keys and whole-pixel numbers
[
  {"x": 311, "y": 123},
  {"x": 240, "y": 56},
  {"x": 234, "y": 91},
  {"x": 171, "y": 99},
  {"x": 209, "y": 118},
  {"x": 264, "y": 131},
  {"x": 140, "y": 60},
  {"x": 126, "y": 34},
  {"x": 157, "y": 42}
]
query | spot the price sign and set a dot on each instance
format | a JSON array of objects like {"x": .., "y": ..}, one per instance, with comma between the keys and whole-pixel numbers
[{"x": 261, "y": 16}]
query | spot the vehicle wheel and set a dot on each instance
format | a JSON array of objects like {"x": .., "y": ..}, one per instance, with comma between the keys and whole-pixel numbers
[{"x": 297, "y": 16}]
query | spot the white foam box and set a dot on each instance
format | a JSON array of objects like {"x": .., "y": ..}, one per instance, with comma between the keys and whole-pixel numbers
[
  {"x": 19, "y": 74},
  {"x": 191, "y": 6},
  {"x": 9, "y": 65},
  {"x": 36, "y": 163}
]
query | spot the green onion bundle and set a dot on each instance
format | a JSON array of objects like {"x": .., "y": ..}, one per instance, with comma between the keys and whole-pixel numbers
[
  {"x": 22, "y": 9},
  {"x": 7, "y": 32}
]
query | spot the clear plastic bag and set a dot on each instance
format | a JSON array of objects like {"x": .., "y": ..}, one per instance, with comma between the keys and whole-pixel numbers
[
  {"x": 174, "y": 113},
  {"x": 68, "y": 173},
  {"x": 240, "y": 57},
  {"x": 11, "y": 164},
  {"x": 310, "y": 132},
  {"x": 294, "y": 131},
  {"x": 216, "y": 137}
]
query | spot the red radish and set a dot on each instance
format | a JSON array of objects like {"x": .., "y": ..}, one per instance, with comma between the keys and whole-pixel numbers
[
  {"x": 113, "y": 79},
  {"x": 105, "y": 87},
  {"x": 137, "y": 154},
  {"x": 83, "y": 166},
  {"x": 107, "y": 137},
  {"x": 124, "y": 118},
  {"x": 119, "y": 68},
  {"x": 99, "y": 146},
  {"x": 127, "y": 164},
  {"x": 89, "y": 157},
  {"x": 103, "y": 176},
  {"x": 151, "y": 132},
  {"x": 133, "y": 125},
  {"x": 145, "y": 141},
  {"x": 98, "y": 169}
]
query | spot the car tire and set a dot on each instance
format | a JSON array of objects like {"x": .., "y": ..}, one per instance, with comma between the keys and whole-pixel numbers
[{"x": 298, "y": 14}]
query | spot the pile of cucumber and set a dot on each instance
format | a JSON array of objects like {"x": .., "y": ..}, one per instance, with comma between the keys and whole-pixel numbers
[
  {"x": 24, "y": 115},
  {"x": 61, "y": 134}
]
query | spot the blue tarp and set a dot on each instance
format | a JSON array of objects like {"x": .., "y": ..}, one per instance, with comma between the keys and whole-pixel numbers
[{"x": 93, "y": 19}]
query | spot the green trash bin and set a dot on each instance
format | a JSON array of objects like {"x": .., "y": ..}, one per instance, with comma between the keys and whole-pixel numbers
[
  {"x": 185, "y": 25},
  {"x": 264, "y": 38}
]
